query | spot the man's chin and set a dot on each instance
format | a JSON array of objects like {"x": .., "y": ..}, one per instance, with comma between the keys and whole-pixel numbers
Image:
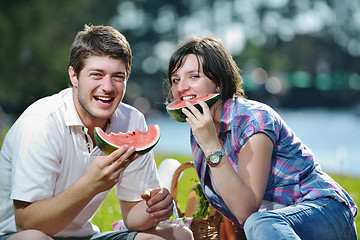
[{"x": 101, "y": 115}]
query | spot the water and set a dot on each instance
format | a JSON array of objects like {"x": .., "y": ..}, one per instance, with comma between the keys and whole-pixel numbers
[{"x": 333, "y": 136}]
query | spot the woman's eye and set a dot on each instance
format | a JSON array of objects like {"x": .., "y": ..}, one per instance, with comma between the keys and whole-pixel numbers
[
  {"x": 194, "y": 76},
  {"x": 174, "y": 80}
]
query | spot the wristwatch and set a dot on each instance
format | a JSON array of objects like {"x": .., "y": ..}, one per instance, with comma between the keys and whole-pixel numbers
[{"x": 215, "y": 157}]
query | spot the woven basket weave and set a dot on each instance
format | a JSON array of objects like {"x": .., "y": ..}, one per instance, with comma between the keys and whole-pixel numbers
[{"x": 202, "y": 228}]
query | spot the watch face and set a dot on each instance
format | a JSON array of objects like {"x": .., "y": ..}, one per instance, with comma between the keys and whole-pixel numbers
[{"x": 214, "y": 158}]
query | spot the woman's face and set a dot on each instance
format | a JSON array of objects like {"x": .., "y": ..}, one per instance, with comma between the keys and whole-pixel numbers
[{"x": 189, "y": 81}]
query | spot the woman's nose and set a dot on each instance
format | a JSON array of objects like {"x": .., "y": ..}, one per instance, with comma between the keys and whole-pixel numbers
[{"x": 183, "y": 86}]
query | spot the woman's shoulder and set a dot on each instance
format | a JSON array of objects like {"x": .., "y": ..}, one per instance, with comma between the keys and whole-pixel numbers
[{"x": 252, "y": 107}]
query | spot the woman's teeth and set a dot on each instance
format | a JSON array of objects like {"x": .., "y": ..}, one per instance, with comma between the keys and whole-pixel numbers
[{"x": 188, "y": 97}]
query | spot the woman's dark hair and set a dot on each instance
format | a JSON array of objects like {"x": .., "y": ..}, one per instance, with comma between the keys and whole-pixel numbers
[{"x": 217, "y": 63}]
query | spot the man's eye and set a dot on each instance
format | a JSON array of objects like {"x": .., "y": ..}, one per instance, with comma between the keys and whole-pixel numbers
[
  {"x": 119, "y": 78},
  {"x": 95, "y": 75}
]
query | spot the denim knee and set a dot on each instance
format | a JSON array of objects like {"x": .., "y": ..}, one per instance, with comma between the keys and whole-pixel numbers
[
  {"x": 255, "y": 225},
  {"x": 268, "y": 225}
]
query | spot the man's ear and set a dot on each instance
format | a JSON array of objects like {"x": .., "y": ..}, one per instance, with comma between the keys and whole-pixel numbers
[{"x": 73, "y": 77}]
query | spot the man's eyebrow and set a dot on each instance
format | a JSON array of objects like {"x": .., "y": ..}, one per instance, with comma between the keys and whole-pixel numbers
[
  {"x": 96, "y": 69},
  {"x": 102, "y": 70}
]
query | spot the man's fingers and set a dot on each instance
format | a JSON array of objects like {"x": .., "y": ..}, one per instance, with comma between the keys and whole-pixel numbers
[
  {"x": 160, "y": 200},
  {"x": 121, "y": 154},
  {"x": 146, "y": 195},
  {"x": 117, "y": 154},
  {"x": 161, "y": 212}
]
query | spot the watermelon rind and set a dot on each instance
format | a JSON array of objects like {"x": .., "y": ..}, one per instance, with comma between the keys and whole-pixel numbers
[
  {"x": 108, "y": 147},
  {"x": 176, "y": 112}
]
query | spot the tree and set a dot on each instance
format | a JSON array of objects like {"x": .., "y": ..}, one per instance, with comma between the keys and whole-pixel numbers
[{"x": 35, "y": 45}]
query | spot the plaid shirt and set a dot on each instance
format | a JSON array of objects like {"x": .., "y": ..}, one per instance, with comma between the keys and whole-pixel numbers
[{"x": 294, "y": 175}]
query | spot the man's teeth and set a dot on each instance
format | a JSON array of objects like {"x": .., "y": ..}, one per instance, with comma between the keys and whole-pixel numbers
[{"x": 104, "y": 98}]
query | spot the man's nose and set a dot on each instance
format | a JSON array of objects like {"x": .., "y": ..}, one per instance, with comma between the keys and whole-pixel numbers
[{"x": 107, "y": 84}]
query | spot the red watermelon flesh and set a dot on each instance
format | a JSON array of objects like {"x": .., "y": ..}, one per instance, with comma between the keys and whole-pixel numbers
[
  {"x": 142, "y": 141},
  {"x": 174, "y": 108}
]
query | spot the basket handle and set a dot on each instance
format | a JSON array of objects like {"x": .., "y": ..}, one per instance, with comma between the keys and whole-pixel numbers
[{"x": 174, "y": 183}]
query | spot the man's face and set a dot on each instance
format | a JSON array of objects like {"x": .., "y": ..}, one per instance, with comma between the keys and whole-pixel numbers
[{"x": 98, "y": 89}]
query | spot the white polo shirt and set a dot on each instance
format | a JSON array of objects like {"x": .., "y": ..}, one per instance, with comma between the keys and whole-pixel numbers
[{"x": 48, "y": 149}]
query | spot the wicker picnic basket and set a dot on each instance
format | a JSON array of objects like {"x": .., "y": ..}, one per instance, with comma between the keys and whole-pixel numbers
[{"x": 202, "y": 228}]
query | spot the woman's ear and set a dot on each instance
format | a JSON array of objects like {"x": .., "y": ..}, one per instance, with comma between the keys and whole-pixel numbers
[
  {"x": 73, "y": 77},
  {"x": 217, "y": 89}
]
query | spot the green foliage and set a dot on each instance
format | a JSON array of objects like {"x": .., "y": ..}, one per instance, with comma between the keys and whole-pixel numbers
[
  {"x": 36, "y": 38},
  {"x": 35, "y": 41},
  {"x": 203, "y": 203}
]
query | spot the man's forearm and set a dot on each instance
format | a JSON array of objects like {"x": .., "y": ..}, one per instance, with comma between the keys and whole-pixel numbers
[
  {"x": 54, "y": 214},
  {"x": 137, "y": 218}
]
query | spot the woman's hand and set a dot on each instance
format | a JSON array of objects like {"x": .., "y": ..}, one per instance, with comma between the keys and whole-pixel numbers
[{"x": 202, "y": 126}]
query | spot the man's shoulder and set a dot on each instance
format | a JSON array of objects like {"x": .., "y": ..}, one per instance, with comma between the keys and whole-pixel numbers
[
  {"x": 48, "y": 104},
  {"x": 129, "y": 108},
  {"x": 129, "y": 111},
  {"x": 127, "y": 118},
  {"x": 47, "y": 110}
]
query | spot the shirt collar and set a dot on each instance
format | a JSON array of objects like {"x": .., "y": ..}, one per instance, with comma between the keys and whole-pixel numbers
[
  {"x": 71, "y": 116},
  {"x": 226, "y": 115},
  {"x": 117, "y": 116}
]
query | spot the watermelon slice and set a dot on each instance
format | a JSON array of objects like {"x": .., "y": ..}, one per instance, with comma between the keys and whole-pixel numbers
[
  {"x": 142, "y": 141},
  {"x": 174, "y": 108}
]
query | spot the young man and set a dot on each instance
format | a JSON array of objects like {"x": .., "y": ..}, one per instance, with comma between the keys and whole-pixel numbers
[{"x": 54, "y": 178}]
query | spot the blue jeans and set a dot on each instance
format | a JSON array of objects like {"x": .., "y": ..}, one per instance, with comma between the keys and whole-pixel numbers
[{"x": 323, "y": 218}]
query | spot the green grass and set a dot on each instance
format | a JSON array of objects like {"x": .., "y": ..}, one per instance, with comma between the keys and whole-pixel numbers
[{"x": 109, "y": 211}]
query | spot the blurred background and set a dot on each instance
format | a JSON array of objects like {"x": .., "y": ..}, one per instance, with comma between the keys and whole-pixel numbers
[{"x": 300, "y": 57}]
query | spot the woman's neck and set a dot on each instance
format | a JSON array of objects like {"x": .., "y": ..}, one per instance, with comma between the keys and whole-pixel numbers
[{"x": 216, "y": 112}]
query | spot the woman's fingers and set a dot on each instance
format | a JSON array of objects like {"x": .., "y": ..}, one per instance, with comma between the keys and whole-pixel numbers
[{"x": 193, "y": 113}]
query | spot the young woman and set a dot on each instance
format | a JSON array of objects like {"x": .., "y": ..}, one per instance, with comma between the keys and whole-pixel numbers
[{"x": 251, "y": 165}]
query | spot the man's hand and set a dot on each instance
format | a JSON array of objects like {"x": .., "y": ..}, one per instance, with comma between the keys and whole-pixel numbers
[
  {"x": 104, "y": 172},
  {"x": 160, "y": 203}
]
